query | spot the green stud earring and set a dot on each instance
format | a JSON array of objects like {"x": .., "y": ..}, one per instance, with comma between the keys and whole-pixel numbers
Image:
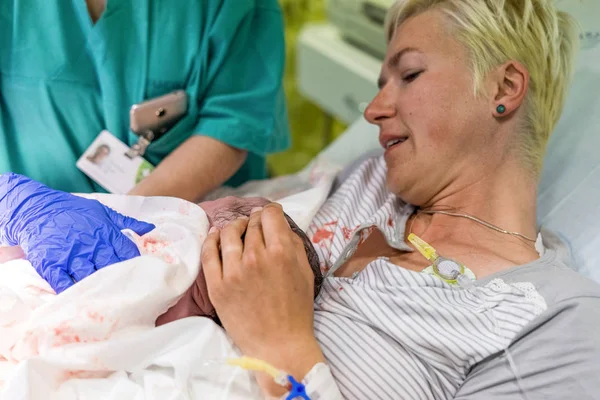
[{"x": 501, "y": 109}]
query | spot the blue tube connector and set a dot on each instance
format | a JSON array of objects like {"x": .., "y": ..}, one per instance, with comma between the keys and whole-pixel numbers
[{"x": 298, "y": 390}]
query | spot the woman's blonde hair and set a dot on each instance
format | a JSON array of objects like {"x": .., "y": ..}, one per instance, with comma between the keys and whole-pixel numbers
[{"x": 532, "y": 32}]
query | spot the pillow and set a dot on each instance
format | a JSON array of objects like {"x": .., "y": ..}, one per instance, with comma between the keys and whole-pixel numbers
[{"x": 569, "y": 190}]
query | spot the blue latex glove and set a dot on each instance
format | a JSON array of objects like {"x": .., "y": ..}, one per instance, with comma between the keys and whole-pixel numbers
[{"x": 65, "y": 237}]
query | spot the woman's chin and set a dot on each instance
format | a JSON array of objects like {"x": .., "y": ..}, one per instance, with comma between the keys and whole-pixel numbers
[
  {"x": 395, "y": 187},
  {"x": 405, "y": 189}
]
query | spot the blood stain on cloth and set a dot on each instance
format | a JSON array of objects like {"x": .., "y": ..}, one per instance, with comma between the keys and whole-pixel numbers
[
  {"x": 365, "y": 234},
  {"x": 81, "y": 374},
  {"x": 93, "y": 315},
  {"x": 65, "y": 334},
  {"x": 36, "y": 290},
  {"x": 390, "y": 222},
  {"x": 32, "y": 341},
  {"x": 153, "y": 246},
  {"x": 348, "y": 232},
  {"x": 323, "y": 233}
]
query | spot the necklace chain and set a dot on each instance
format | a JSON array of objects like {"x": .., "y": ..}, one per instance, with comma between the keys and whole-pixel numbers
[{"x": 480, "y": 221}]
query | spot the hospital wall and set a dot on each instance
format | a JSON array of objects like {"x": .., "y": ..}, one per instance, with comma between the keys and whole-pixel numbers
[{"x": 307, "y": 121}]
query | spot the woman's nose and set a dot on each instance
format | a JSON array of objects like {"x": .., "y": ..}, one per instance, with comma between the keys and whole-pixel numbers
[{"x": 381, "y": 107}]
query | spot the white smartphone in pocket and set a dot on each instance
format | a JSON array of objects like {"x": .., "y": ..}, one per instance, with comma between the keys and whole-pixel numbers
[{"x": 159, "y": 114}]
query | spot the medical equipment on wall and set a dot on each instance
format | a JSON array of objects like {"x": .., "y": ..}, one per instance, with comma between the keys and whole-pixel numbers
[
  {"x": 361, "y": 22},
  {"x": 334, "y": 74}
]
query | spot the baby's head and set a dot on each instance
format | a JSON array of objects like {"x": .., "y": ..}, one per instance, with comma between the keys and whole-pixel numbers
[{"x": 220, "y": 212}]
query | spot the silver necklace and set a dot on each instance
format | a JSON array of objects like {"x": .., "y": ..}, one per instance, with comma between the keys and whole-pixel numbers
[{"x": 480, "y": 221}]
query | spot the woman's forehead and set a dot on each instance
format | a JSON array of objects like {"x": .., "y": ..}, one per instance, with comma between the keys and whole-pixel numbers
[{"x": 428, "y": 32}]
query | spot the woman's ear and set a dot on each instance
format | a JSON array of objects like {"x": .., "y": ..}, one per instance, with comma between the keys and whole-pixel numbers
[{"x": 511, "y": 88}]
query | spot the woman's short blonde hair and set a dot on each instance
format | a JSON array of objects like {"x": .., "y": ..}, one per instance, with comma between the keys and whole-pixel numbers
[{"x": 532, "y": 32}]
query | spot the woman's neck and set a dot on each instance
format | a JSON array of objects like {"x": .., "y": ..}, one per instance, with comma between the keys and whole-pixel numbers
[{"x": 506, "y": 199}]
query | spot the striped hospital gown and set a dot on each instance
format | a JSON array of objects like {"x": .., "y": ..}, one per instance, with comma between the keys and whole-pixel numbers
[{"x": 392, "y": 333}]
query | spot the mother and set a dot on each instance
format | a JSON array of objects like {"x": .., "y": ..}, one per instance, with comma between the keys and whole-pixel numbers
[{"x": 469, "y": 94}]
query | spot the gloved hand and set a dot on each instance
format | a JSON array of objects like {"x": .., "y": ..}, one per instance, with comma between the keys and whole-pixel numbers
[{"x": 65, "y": 237}]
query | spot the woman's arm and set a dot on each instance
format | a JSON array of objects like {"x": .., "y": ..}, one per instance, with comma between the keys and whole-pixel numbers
[{"x": 262, "y": 289}]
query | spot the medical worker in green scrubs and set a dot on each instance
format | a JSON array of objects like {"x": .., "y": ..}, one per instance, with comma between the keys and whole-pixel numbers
[{"x": 72, "y": 68}]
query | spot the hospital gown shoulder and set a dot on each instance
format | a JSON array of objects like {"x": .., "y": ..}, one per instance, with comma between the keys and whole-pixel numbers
[
  {"x": 556, "y": 355},
  {"x": 553, "y": 275}
]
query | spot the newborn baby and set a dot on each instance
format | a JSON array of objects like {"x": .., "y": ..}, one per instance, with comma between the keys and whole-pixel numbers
[{"x": 195, "y": 301}]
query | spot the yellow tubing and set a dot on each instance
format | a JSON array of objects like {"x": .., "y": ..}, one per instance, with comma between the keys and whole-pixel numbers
[{"x": 254, "y": 364}]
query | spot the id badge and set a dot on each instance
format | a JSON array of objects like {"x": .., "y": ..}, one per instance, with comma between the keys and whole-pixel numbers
[{"x": 107, "y": 163}]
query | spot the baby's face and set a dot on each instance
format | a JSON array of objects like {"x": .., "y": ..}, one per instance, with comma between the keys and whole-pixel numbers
[{"x": 220, "y": 212}]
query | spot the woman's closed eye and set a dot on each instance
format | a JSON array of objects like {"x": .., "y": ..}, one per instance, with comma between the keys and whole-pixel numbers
[{"x": 411, "y": 76}]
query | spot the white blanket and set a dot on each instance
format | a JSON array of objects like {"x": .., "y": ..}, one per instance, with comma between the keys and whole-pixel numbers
[{"x": 97, "y": 340}]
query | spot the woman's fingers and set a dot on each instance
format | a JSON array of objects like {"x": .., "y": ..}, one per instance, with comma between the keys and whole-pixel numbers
[
  {"x": 211, "y": 258},
  {"x": 254, "y": 239},
  {"x": 232, "y": 245},
  {"x": 275, "y": 227}
]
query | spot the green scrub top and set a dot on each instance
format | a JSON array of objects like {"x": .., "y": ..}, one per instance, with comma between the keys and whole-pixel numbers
[{"x": 64, "y": 79}]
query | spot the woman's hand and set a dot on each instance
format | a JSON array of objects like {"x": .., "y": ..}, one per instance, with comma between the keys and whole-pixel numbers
[{"x": 262, "y": 289}]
